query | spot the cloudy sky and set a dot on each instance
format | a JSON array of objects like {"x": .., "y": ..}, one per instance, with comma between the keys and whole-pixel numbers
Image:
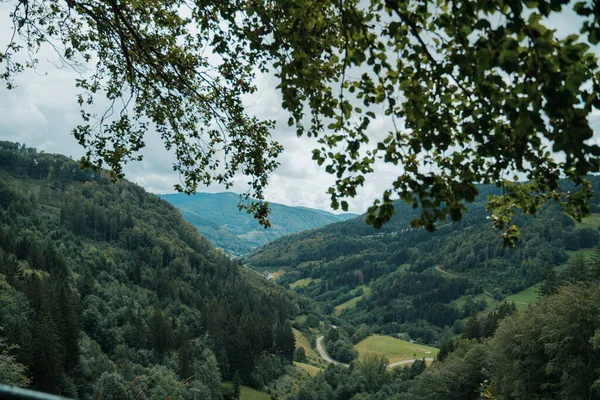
[{"x": 42, "y": 110}]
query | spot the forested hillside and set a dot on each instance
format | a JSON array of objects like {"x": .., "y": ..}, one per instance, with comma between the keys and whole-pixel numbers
[
  {"x": 551, "y": 350},
  {"x": 401, "y": 281},
  {"x": 106, "y": 292},
  {"x": 218, "y": 218}
]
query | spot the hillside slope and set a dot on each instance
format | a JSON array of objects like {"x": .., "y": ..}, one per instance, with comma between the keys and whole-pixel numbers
[
  {"x": 420, "y": 284},
  {"x": 216, "y": 215},
  {"x": 106, "y": 292}
]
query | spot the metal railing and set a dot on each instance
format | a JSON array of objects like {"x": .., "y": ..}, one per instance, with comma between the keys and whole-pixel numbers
[{"x": 17, "y": 393}]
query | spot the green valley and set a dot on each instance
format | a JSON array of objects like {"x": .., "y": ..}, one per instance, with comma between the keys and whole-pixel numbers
[
  {"x": 465, "y": 133},
  {"x": 398, "y": 294}
]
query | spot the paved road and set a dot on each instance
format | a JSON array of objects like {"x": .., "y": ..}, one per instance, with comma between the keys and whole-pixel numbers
[
  {"x": 328, "y": 359},
  {"x": 324, "y": 354}
]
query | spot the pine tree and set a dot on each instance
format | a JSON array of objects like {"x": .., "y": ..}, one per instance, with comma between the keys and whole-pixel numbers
[
  {"x": 577, "y": 270},
  {"x": 67, "y": 317},
  {"x": 288, "y": 341},
  {"x": 595, "y": 264},
  {"x": 161, "y": 333},
  {"x": 237, "y": 386},
  {"x": 185, "y": 361},
  {"x": 550, "y": 285},
  {"x": 46, "y": 355},
  {"x": 489, "y": 325},
  {"x": 472, "y": 328},
  {"x": 446, "y": 347}
]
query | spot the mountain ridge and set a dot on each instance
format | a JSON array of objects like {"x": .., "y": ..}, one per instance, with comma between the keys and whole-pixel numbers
[{"x": 217, "y": 217}]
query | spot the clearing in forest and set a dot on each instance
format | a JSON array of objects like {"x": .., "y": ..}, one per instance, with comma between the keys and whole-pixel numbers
[
  {"x": 303, "y": 282},
  {"x": 394, "y": 349},
  {"x": 352, "y": 302}
]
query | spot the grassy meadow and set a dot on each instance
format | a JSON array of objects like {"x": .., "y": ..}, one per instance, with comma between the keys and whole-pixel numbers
[
  {"x": 352, "y": 302},
  {"x": 394, "y": 349},
  {"x": 303, "y": 282}
]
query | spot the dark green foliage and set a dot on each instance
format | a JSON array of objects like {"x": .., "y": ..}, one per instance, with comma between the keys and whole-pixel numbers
[
  {"x": 161, "y": 333},
  {"x": 446, "y": 347},
  {"x": 237, "y": 386},
  {"x": 458, "y": 377},
  {"x": 107, "y": 285},
  {"x": 300, "y": 354},
  {"x": 339, "y": 345},
  {"x": 366, "y": 379},
  {"x": 578, "y": 270},
  {"x": 472, "y": 328},
  {"x": 553, "y": 342}
]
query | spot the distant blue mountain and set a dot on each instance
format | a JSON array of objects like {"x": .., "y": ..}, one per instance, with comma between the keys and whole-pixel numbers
[{"x": 217, "y": 217}]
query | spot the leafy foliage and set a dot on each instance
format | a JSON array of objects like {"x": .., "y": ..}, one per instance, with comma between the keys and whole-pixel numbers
[{"x": 475, "y": 92}]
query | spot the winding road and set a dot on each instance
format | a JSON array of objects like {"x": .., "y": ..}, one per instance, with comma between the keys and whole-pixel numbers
[
  {"x": 324, "y": 354},
  {"x": 328, "y": 359}
]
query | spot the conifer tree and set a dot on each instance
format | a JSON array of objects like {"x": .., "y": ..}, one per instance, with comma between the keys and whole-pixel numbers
[
  {"x": 161, "y": 333},
  {"x": 46, "y": 355},
  {"x": 237, "y": 386},
  {"x": 472, "y": 328}
]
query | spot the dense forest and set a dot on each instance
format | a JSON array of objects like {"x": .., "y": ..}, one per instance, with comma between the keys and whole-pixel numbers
[
  {"x": 415, "y": 279},
  {"x": 106, "y": 292},
  {"x": 219, "y": 219}
]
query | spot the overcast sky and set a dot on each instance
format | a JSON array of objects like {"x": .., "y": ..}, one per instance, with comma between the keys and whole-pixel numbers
[{"x": 42, "y": 110}]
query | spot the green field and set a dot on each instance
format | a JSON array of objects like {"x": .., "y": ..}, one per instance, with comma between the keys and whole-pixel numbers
[
  {"x": 247, "y": 393},
  {"x": 311, "y": 355},
  {"x": 593, "y": 222},
  {"x": 310, "y": 369},
  {"x": 403, "y": 267},
  {"x": 525, "y": 297},
  {"x": 303, "y": 282},
  {"x": 352, "y": 302},
  {"x": 531, "y": 295},
  {"x": 394, "y": 349},
  {"x": 587, "y": 253},
  {"x": 307, "y": 263},
  {"x": 301, "y": 318},
  {"x": 490, "y": 301}
]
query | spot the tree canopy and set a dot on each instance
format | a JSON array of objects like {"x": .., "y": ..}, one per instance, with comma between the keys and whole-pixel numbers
[{"x": 475, "y": 91}]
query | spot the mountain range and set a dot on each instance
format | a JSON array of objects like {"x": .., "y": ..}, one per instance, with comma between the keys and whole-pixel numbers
[{"x": 217, "y": 217}]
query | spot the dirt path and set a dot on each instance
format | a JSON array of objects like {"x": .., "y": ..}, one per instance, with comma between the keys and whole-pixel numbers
[
  {"x": 439, "y": 269},
  {"x": 403, "y": 362},
  {"x": 325, "y": 356}
]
